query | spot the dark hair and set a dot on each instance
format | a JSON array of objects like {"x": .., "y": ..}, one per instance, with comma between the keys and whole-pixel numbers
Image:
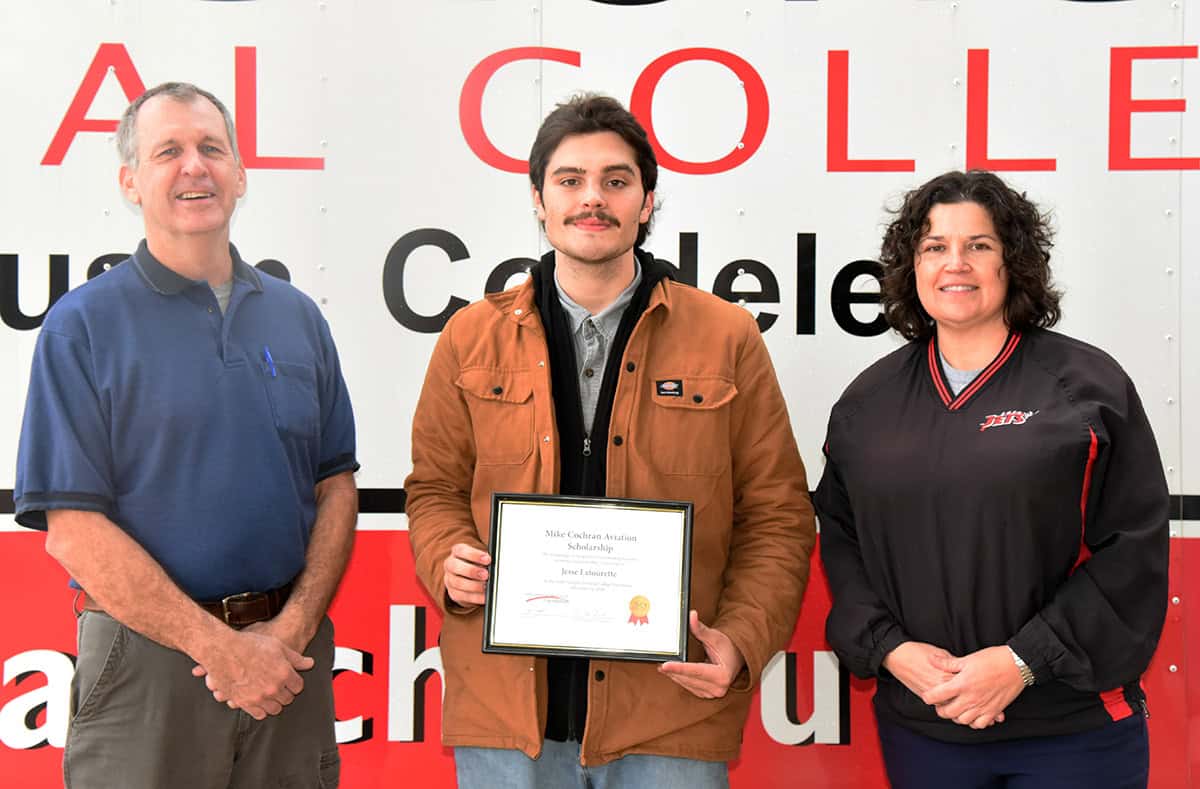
[
  {"x": 587, "y": 113},
  {"x": 1025, "y": 234},
  {"x": 179, "y": 91}
]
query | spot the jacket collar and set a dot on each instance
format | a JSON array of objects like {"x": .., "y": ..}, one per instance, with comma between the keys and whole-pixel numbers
[
  {"x": 519, "y": 303},
  {"x": 164, "y": 281}
]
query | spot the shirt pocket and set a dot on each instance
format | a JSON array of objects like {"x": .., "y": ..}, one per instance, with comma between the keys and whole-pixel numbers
[
  {"x": 690, "y": 424},
  {"x": 501, "y": 405},
  {"x": 292, "y": 391}
]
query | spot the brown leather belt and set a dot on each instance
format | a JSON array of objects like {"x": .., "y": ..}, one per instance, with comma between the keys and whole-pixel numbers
[{"x": 236, "y": 610}]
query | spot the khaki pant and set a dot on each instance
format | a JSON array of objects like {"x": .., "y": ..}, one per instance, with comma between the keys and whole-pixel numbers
[{"x": 142, "y": 721}]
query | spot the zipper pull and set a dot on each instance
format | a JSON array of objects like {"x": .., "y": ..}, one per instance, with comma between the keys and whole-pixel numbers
[{"x": 587, "y": 447}]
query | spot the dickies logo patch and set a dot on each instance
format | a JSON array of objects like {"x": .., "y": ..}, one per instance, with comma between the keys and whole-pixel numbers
[
  {"x": 1005, "y": 418},
  {"x": 672, "y": 387}
]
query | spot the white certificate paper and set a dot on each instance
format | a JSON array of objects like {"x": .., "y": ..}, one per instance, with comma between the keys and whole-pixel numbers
[{"x": 596, "y": 577}]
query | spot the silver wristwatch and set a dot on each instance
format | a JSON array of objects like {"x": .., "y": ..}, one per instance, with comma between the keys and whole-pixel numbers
[{"x": 1023, "y": 668}]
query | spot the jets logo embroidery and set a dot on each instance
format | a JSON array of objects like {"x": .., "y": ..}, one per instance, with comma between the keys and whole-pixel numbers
[{"x": 1005, "y": 418}]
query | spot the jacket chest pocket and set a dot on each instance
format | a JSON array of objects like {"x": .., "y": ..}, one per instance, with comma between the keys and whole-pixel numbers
[
  {"x": 501, "y": 405},
  {"x": 690, "y": 424},
  {"x": 292, "y": 391}
]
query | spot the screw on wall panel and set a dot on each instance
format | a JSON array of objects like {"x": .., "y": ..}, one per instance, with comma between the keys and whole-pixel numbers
[
  {"x": 741, "y": 212},
  {"x": 1170, "y": 469},
  {"x": 1168, "y": 337},
  {"x": 1168, "y": 212},
  {"x": 320, "y": 267},
  {"x": 956, "y": 82},
  {"x": 1171, "y": 139},
  {"x": 1170, "y": 401},
  {"x": 324, "y": 300},
  {"x": 741, "y": 145},
  {"x": 1172, "y": 668},
  {"x": 324, "y": 143},
  {"x": 106, "y": 212},
  {"x": 324, "y": 209},
  {"x": 1175, "y": 600},
  {"x": 741, "y": 271},
  {"x": 1170, "y": 271}
]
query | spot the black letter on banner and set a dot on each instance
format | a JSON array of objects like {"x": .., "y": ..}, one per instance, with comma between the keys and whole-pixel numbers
[
  {"x": 502, "y": 273},
  {"x": 10, "y": 309},
  {"x": 841, "y": 297},
  {"x": 275, "y": 268},
  {"x": 806, "y": 283},
  {"x": 768, "y": 293},
  {"x": 687, "y": 268},
  {"x": 393, "y": 278},
  {"x": 104, "y": 263}
]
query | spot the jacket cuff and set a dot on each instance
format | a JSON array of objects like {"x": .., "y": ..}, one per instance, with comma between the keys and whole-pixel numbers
[
  {"x": 1028, "y": 643},
  {"x": 892, "y": 638},
  {"x": 451, "y": 607},
  {"x": 747, "y": 679}
]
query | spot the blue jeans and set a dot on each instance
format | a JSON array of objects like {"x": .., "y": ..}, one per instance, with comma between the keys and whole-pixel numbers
[{"x": 558, "y": 768}]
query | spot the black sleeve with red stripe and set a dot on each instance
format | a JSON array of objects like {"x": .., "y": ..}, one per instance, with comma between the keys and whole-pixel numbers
[{"x": 1102, "y": 626}]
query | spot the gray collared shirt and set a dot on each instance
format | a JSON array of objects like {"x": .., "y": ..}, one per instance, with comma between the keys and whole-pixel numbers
[{"x": 593, "y": 337}]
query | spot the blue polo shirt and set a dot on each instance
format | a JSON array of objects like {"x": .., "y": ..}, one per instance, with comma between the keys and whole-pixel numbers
[{"x": 202, "y": 435}]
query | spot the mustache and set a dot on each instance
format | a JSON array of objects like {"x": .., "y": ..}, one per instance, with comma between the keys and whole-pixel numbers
[{"x": 601, "y": 215}]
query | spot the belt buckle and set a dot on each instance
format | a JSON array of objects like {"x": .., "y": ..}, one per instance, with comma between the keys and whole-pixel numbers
[{"x": 240, "y": 597}]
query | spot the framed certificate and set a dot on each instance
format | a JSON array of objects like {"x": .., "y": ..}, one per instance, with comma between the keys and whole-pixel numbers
[{"x": 589, "y": 577}]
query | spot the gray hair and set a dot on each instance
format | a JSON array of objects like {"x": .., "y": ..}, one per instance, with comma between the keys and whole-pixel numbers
[{"x": 179, "y": 91}]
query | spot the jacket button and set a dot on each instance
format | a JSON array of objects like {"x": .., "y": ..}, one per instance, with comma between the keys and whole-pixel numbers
[
  {"x": 630, "y": 367},
  {"x": 589, "y": 372},
  {"x": 695, "y": 398},
  {"x": 599, "y": 676},
  {"x": 618, "y": 440},
  {"x": 500, "y": 390}
]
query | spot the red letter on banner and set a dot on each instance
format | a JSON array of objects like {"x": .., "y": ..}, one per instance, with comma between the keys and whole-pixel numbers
[
  {"x": 246, "y": 111},
  {"x": 977, "y": 121},
  {"x": 108, "y": 56},
  {"x": 757, "y": 108},
  {"x": 470, "y": 101},
  {"x": 1122, "y": 105},
  {"x": 837, "y": 151}
]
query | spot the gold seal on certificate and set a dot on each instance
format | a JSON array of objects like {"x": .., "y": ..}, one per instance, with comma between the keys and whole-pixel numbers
[{"x": 588, "y": 577}]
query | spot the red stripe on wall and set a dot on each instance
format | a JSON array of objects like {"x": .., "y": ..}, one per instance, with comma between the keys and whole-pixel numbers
[{"x": 1085, "y": 553}]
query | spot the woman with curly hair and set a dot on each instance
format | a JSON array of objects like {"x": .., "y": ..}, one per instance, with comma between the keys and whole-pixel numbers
[{"x": 993, "y": 514}]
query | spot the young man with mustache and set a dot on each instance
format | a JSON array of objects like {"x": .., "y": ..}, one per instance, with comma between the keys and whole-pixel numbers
[
  {"x": 603, "y": 376},
  {"x": 189, "y": 446}
]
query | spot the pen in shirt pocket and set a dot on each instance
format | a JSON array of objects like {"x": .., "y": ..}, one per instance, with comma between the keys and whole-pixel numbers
[{"x": 269, "y": 360}]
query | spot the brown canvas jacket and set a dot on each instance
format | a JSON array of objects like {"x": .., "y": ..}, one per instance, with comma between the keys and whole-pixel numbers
[{"x": 485, "y": 422}]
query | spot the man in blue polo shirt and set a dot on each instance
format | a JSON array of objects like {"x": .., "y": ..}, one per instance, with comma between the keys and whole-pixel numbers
[{"x": 189, "y": 446}]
